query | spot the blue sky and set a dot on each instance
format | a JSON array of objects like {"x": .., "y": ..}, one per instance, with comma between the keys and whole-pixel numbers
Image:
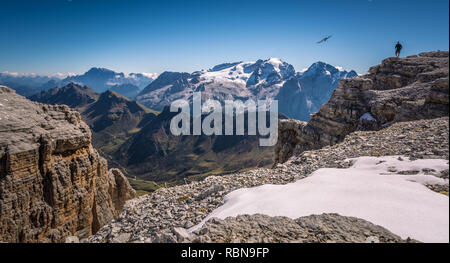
[{"x": 43, "y": 36}]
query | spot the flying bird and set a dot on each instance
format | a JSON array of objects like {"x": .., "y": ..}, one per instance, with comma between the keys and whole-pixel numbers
[{"x": 324, "y": 40}]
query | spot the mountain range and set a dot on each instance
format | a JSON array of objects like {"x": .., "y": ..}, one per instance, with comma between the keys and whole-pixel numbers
[
  {"x": 139, "y": 142},
  {"x": 102, "y": 79},
  {"x": 299, "y": 93},
  {"x": 135, "y": 135},
  {"x": 99, "y": 79}
]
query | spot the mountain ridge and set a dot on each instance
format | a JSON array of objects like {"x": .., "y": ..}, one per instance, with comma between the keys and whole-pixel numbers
[{"x": 263, "y": 79}]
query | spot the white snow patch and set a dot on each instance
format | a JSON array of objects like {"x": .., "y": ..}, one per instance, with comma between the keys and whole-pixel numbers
[
  {"x": 276, "y": 62},
  {"x": 303, "y": 70},
  {"x": 367, "y": 117},
  {"x": 400, "y": 203}
]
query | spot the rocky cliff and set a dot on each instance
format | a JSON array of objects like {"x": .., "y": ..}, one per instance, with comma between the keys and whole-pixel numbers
[
  {"x": 400, "y": 89},
  {"x": 53, "y": 183}
]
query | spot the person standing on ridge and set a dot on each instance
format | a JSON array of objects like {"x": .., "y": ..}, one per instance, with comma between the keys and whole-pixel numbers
[{"x": 398, "y": 48}]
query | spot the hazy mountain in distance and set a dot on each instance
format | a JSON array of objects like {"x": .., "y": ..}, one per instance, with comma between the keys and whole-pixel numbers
[
  {"x": 27, "y": 84},
  {"x": 99, "y": 79},
  {"x": 102, "y": 79}
]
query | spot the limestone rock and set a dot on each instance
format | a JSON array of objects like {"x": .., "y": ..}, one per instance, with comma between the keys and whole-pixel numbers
[
  {"x": 53, "y": 183},
  {"x": 400, "y": 89},
  {"x": 325, "y": 228},
  {"x": 120, "y": 189},
  {"x": 72, "y": 239}
]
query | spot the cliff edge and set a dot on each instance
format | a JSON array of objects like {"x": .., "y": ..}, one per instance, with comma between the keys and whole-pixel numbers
[
  {"x": 397, "y": 90},
  {"x": 53, "y": 183}
]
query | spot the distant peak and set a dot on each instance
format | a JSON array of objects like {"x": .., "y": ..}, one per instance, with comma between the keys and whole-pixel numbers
[
  {"x": 321, "y": 66},
  {"x": 100, "y": 70},
  {"x": 224, "y": 66},
  {"x": 318, "y": 64},
  {"x": 78, "y": 87},
  {"x": 111, "y": 93},
  {"x": 73, "y": 84}
]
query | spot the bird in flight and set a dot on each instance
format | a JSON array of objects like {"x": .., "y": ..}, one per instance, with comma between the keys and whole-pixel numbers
[{"x": 324, "y": 40}]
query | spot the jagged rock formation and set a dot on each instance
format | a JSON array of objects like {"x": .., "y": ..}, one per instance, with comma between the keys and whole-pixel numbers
[
  {"x": 154, "y": 217},
  {"x": 53, "y": 183},
  {"x": 406, "y": 89}
]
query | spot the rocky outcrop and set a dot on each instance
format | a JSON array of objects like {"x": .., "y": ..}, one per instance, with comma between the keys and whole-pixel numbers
[
  {"x": 289, "y": 133},
  {"x": 53, "y": 183},
  {"x": 400, "y": 89},
  {"x": 325, "y": 228}
]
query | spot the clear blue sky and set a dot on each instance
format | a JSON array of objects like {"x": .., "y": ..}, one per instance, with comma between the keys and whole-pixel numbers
[{"x": 43, "y": 36}]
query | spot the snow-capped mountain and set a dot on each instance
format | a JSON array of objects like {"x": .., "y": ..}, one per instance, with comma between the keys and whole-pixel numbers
[
  {"x": 241, "y": 80},
  {"x": 263, "y": 79},
  {"x": 319, "y": 81}
]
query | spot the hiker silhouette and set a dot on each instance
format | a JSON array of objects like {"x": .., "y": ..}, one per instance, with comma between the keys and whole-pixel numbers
[{"x": 398, "y": 49}]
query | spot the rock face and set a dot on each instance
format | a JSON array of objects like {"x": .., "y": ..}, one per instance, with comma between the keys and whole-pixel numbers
[
  {"x": 53, "y": 183},
  {"x": 406, "y": 89}
]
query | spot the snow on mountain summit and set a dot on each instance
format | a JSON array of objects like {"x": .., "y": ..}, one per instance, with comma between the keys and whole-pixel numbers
[
  {"x": 261, "y": 70},
  {"x": 262, "y": 79}
]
